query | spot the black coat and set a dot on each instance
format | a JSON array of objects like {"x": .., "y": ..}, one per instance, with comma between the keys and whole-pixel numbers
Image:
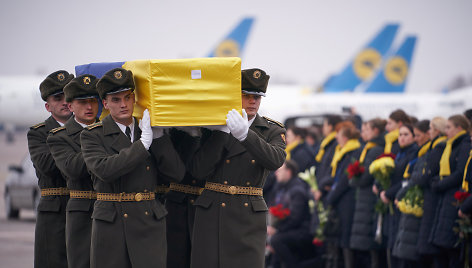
[
  {"x": 323, "y": 168},
  {"x": 430, "y": 199},
  {"x": 49, "y": 241},
  {"x": 341, "y": 199},
  {"x": 403, "y": 157},
  {"x": 364, "y": 225},
  {"x": 304, "y": 156},
  {"x": 181, "y": 211},
  {"x": 446, "y": 213}
]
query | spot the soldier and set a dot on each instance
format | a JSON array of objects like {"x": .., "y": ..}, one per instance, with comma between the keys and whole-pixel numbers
[
  {"x": 230, "y": 219},
  {"x": 129, "y": 227},
  {"x": 64, "y": 143},
  {"x": 49, "y": 241}
]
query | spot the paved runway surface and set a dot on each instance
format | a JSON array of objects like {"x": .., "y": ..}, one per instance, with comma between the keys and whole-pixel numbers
[{"x": 16, "y": 236}]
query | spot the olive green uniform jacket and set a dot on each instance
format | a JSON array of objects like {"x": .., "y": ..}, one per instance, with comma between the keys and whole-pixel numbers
[
  {"x": 64, "y": 143},
  {"x": 230, "y": 230},
  {"x": 128, "y": 234},
  {"x": 49, "y": 238}
]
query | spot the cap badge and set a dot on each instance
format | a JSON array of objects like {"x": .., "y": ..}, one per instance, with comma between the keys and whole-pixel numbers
[
  {"x": 86, "y": 80},
  {"x": 61, "y": 77},
  {"x": 256, "y": 74},
  {"x": 118, "y": 74}
]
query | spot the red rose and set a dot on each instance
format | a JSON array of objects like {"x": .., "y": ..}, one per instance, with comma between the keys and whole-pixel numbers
[
  {"x": 318, "y": 242},
  {"x": 279, "y": 212},
  {"x": 387, "y": 155},
  {"x": 355, "y": 169},
  {"x": 461, "y": 196}
]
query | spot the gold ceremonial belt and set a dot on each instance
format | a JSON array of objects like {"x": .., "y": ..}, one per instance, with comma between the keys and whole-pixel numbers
[
  {"x": 126, "y": 197},
  {"x": 54, "y": 191},
  {"x": 83, "y": 194},
  {"x": 163, "y": 189},
  {"x": 188, "y": 189},
  {"x": 231, "y": 189}
]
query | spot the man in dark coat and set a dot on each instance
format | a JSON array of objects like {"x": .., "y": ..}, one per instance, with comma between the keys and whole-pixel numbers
[
  {"x": 290, "y": 236},
  {"x": 230, "y": 220},
  {"x": 64, "y": 143},
  {"x": 129, "y": 228},
  {"x": 180, "y": 200},
  {"x": 49, "y": 241}
]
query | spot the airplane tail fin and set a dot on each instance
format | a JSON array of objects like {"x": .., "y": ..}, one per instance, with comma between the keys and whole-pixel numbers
[
  {"x": 365, "y": 63},
  {"x": 233, "y": 44},
  {"x": 393, "y": 76}
]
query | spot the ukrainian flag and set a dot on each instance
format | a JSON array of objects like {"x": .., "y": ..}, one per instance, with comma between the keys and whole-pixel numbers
[{"x": 181, "y": 92}]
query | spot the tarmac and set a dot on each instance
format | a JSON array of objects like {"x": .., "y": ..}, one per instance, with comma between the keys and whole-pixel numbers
[{"x": 16, "y": 236}]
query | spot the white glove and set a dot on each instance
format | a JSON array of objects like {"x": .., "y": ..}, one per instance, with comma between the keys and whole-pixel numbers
[
  {"x": 223, "y": 128},
  {"x": 157, "y": 132},
  {"x": 238, "y": 125},
  {"x": 146, "y": 131}
]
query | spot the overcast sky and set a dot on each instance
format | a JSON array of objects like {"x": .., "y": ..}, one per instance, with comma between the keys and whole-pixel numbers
[{"x": 299, "y": 41}]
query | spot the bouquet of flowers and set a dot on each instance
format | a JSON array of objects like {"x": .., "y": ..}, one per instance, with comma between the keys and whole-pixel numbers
[
  {"x": 354, "y": 171},
  {"x": 277, "y": 213},
  {"x": 382, "y": 169},
  {"x": 412, "y": 203},
  {"x": 309, "y": 177},
  {"x": 465, "y": 226}
]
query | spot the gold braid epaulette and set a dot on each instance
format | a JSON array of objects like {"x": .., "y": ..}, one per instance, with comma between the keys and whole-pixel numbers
[
  {"x": 38, "y": 125},
  {"x": 92, "y": 126},
  {"x": 274, "y": 122},
  {"x": 54, "y": 130}
]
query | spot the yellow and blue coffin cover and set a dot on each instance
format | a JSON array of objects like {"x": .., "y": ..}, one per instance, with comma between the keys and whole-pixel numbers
[{"x": 187, "y": 92}]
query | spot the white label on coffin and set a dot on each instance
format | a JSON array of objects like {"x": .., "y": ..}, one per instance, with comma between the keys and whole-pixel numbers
[{"x": 196, "y": 74}]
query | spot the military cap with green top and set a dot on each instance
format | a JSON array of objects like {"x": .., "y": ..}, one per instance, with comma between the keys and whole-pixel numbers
[
  {"x": 81, "y": 87},
  {"x": 54, "y": 84},
  {"x": 114, "y": 81},
  {"x": 254, "y": 81}
]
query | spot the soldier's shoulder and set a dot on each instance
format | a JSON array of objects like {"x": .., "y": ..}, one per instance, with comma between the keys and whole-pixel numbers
[
  {"x": 273, "y": 122},
  {"x": 39, "y": 125},
  {"x": 94, "y": 126},
  {"x": 57, "y": 129}
]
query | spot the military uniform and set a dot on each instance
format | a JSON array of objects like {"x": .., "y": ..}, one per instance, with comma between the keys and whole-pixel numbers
[
  {"x": 179, "y": 204},
  {"x": 230, "y": 220},
  {"x": 49, "y": 242},
  {"x": 129, "y": 227},
  {"x": 64, "y": 143}
]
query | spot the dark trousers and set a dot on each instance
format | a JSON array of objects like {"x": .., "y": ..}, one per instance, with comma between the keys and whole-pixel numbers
[
  {"x": 287, "y": 246},
  {"x": 448, "y": 258}
]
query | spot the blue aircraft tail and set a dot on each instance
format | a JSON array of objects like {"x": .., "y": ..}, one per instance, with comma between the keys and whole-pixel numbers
[
  {"x": 393, "y": 76},
  {"x": 233, "y": 44},
  {"x": 365, "y": 63}
]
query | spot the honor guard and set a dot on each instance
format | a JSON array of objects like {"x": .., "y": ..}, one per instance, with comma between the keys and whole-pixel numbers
[
  {"x": 129, "y": 227},
  {"x": 64, "y": 142},
  {"x": 230, "y": 219},
  {"x": 50, "y": 242}
]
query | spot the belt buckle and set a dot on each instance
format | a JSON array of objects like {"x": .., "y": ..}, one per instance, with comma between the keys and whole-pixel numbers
[
  {"x": 138, "y": 197},
  {"x": 233, "y": 190}
]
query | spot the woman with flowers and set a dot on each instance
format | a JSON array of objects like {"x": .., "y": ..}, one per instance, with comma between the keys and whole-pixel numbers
[
  {"x": 409, "y": 200},
  {"x": 425, "y": 248},
  {"x": 451, "y": 171},
  {"x": 364, "y": 223},
  {"x": 341, "y": 197},
  {"x": 407, "y": 152}
]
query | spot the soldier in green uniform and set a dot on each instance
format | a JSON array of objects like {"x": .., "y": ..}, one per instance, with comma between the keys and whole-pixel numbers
[
  {"x": 64, "y": 143},
  {"x": 230, "y": 219},
  {"x": 49, "y": 240},
  {"x": 129, "y": 226}
]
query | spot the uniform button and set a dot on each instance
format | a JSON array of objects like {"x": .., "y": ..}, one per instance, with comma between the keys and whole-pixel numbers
[
  {"x": 146, "y": 213},
  {"x": 223, "y": 204},
  {"x": 145, "y": 190},
  {"x": 147, "y": 168},
  {"x": 192, "y": 201},
  {"x": 248, "y": 183},
  {"x": 253, "y": 161},
  {"x": 194, "y": 181},
  {"x": 227, "y": 161},
  {"x": 225, "y": 182},
  {"x": 125, "y": 215},
  {"x": 246, "y": 204}
]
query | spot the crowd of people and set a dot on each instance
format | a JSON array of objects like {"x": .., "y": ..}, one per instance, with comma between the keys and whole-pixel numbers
[{"x": 391, "y": 194}]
